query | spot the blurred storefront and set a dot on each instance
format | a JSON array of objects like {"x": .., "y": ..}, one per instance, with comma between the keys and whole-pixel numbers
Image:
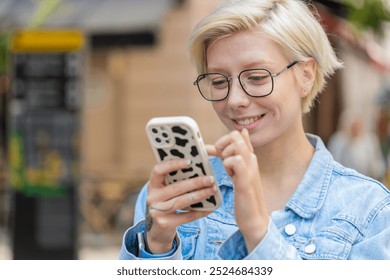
[{"x": 136, "y": 67}]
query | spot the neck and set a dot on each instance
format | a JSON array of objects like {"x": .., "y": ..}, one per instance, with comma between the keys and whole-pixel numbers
[{"x": 282, "y": 165}]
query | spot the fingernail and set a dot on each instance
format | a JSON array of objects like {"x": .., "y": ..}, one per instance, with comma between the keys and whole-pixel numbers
[{"x": 209, "y": 180}]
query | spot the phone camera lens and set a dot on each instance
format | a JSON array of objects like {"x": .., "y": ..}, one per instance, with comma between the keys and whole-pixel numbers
[
  {"x": 154, "y": 130},
  {"x": 158, "y": 140}
]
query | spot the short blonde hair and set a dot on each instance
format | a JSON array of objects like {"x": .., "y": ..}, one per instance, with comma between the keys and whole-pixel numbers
[{"x": 290, "y": 23}]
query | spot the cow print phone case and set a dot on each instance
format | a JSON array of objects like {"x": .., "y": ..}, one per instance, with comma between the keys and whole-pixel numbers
[{"x": 179, "y": 137}]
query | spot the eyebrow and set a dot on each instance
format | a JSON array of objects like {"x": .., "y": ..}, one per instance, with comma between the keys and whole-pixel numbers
[
  {"x": 259, "y": 64},
  {"x": 255, "y": 64}
]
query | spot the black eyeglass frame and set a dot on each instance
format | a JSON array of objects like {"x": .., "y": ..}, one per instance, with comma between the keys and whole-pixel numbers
[{"x": 273, "y": 75}]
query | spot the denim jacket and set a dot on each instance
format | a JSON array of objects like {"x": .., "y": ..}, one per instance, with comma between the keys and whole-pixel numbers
[{"x": 335, "y": 213}]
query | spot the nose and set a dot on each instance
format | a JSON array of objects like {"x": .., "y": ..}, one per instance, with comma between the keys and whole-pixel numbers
[{"x": 237, "y": 96}]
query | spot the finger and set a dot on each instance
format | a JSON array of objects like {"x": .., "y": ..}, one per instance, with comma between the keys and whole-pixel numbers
[
  {"x": 160, "y": 170},
  {"x": 237, "y": 145},
  {"x": 173, "y": 220},
  {"x": 247, "y": 139},
  {"x": 242, "y": 145},
  {"x": 225, "y": 140},
  {"x": 164, "y": 206},
  {"x": 234, "y": 164},
  {"x": 240, "y": 163},
  {"x": 174, "y": 190},
  {"x": 181, "y": 202},
  {"x": 190, "y": 216},
  {"x": 186, "y": 200},
  {"x": 211, "y": 150}
]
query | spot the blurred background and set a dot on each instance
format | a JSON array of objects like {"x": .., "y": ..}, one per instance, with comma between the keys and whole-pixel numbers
[{"x": 79, "y": 79}]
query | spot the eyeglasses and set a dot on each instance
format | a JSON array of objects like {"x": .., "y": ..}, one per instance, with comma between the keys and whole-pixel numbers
[{"x": 256, "y": 82}]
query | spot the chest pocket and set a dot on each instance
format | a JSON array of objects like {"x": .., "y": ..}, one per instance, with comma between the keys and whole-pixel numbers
[
  {"x": 189, "y": 237},
  {"x": 323, "y": 247},
  {"x": 330, "y": 243}
]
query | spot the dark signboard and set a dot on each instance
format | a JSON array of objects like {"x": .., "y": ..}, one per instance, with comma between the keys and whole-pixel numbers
[{"x": 44, "y": 129}]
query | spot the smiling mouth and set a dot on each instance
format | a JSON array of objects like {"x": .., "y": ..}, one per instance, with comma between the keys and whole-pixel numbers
[{"x": 249, "y": 120}]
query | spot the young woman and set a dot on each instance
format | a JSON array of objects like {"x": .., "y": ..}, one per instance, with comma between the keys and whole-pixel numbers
[{"x": 261, "y": 64}]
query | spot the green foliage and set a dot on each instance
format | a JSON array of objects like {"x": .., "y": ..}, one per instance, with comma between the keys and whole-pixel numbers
[
  {"x": 43, "y": 12},
  {"x": 368, "y": 15}
]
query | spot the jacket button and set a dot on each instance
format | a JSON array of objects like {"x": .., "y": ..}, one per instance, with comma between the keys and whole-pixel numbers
[
  {"x": 290, "y": 229},
  {"x": 310, "y": 249}
]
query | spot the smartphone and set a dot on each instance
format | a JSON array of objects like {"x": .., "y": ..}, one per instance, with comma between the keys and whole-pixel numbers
[{"x": 179, "y": 137}]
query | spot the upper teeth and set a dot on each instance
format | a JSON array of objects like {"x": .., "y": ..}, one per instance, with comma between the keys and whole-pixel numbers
[{"x": 247, "y": 121}]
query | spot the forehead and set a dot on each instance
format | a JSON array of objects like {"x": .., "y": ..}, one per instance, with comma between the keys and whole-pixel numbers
[{"x": 244, "y": 49}]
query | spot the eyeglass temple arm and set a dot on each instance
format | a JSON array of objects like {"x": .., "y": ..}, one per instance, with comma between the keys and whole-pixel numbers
[{"x": 285, "y": 68}]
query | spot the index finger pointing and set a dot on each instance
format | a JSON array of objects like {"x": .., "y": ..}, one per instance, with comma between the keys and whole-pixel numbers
[{"x": 247, "y": 139}]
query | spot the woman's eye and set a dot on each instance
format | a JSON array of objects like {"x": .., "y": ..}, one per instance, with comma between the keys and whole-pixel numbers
[
  {"x": 257, "y": 78},
  {"x": 219, "y": 83}
]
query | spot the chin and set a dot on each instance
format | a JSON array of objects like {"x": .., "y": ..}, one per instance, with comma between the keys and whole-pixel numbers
[{"x": 260, "y": 139}]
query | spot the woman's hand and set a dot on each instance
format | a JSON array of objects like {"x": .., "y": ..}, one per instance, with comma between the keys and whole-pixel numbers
[
  {"x": 236, "y": 152},
  {"x": 163, "y": 201}
]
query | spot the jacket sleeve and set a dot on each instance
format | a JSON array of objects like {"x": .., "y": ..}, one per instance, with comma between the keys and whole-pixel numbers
[
  {"x": 129, "y": 249},
  {"x": 272, "y": 247},
  {"x": 375, "y": 240}
]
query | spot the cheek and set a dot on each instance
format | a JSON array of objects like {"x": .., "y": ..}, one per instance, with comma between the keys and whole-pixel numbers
[
  {"x": 220, "y": 109},
  {"x": 290, "y": 95},
  {"x": 285, "y": 107},
  {"x": 291, "y": 106}
]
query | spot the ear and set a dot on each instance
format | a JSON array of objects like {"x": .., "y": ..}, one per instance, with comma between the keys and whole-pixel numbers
[{"x": 308, "y": 68}]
